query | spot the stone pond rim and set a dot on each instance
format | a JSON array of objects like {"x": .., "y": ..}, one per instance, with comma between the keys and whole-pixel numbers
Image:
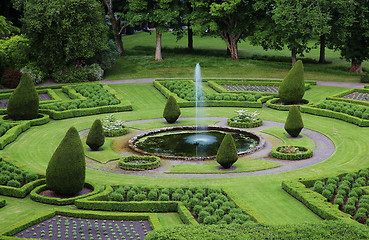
[{"x": 133, "y": 140}]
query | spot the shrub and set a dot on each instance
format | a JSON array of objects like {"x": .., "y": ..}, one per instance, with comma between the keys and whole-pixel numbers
[
  {"x": 24, "y": 101},
  {"x": 227, "y": 152},
  {"x": 292, "y": 88},
  {"x": 164, "y": 197},
  {"x": 29, "y": 177},
  {"x": 153, "y": 195},
  {"x": 116, "y": 196},
  {"x": 318, "y": 187},
  {"x": 196, "y": 209},
  {"x": 130, "y": 195},
  {"x": 210, "y": 220},
  {"x": 339, "y": 201},
  {"x": 106, "y": 58},
  {"x": 327, "y": 194},
  {"x": 171, "y": 111},
  {"x": 294, "y": 123},
  {"x": 14, "y": 183},
  {"x": 227, "y": 219},
  {"x": 364, "y": 78},
  {"x": 96, "y": 137},
  {"x": 202, "y": 215},
  {"x": 34, "y": 72},
  {"x": 65, "y": 173},
  {"x": 350, "y": 209},
  {"x": 11, "y": 78},
  {"x": 331, "y": 187},
  {"x": 140, "y": 197}
]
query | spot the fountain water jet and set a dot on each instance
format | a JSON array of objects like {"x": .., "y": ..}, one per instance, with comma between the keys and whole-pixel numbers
[{"x": 199, "y": 97}]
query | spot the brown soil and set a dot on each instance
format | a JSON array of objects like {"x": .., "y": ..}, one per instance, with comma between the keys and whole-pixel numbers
[{"x": 50, "y": 193}]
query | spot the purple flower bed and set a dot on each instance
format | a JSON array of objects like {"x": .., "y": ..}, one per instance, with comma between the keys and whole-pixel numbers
[
  {"x": 251, "y": 88},
  {"x": 61, "y": 227},
  {"x": 357, "y": 96},
  {"x": 42, "y": 96}
]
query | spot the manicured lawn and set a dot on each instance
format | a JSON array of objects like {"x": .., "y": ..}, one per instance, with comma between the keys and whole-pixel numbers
[{"x": 33, "y": 149}]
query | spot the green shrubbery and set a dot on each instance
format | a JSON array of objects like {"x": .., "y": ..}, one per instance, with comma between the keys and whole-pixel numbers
[
  {"x": 24, "y": 101},
  {"x": 65, "y": 173},
  {"x": 113, "y": 127},
  {"x": 96, "y": 137},
  {"x": 294, "y": 123},
  {"x": 292, "y": 88},
  {"x": 209, "y": 205},
  {"x": 321, "y": 230},
  {"x": 351, "y": 109},
  {"x": 227, "y": 152},
  {"x": 171, "y": 110},
  {"x": 137, "y": 163},
  {"x": 14, "y": 177},
  {"x": 298, "y": 152}
]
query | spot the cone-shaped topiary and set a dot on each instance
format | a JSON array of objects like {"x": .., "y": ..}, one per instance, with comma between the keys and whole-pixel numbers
[
  {"x": 227, "y": 152},
  {"x": 292, "y": 88},
  {"x": 23, "y": 103},
  {"x": 171, "y": 111},
  {"x": 294, "y": 123},
  {"x": 96, "y": 136},
  {"x": 65, "y": 174}
]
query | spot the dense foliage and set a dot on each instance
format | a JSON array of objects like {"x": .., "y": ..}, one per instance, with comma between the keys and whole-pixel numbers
[
  {"x": 64, "y": 32},
  {"x": 14, "y": 177},
  {"x": 347, "y": 193},
  {"x": 96, "y": 137},
  {"x": 24, "y": 101},
  {"x": 171, "y": 110},
  {"x": 227, "y": 152},
  {"x": 292, "y": 88},
  {"x": 65, "y": 173},
  {"x": 208, "y": 205},
  {"x": 113, "y": 127},
  {"x": 351, "y": 109},
  {"x": 138, "y": 163},
  {"x": 294, "y": 123},
  {"x": 321, "y": 230}
]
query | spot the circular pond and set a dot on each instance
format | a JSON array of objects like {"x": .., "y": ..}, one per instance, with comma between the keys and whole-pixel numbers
[{"x": 191, "y": 144}]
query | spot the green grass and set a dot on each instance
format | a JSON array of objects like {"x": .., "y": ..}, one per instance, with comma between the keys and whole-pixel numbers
[
  {"x": 211, "y": 54},
  {"x": 280, "y": 133},
  {"x": 169, "y": 219},
  {"x": 242, "y": 165},
  {"x": 105, "y": 155}
]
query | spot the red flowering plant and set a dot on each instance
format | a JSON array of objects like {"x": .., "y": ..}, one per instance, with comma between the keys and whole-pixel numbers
[{"x": 11, "y": 78}]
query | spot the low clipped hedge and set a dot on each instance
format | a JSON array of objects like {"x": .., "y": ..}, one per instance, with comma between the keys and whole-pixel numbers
[
  {"x": 272, "y": 104},
  {"x": 337, "y": 115},
  {"x": 13, "y": 133},
  {"x": 40, "y": 120},
  {"x": 316, "y": 202},
  {"x": 151, "y": 162},
  {"x": 2, "y": 203},
  {"x": 338, "y": 97},
  {"x": 250, "y": 124},
  {"x": 21, "y": 192},
  {"x": 306, "y": 153},
  {"x": 26, "y": 223},
  {"x": 116, "y": 132},
  {"x": 61, "y": 201}
]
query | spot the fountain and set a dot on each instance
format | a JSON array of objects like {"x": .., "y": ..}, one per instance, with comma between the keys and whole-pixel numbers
[{"x": 194, "y": 142}]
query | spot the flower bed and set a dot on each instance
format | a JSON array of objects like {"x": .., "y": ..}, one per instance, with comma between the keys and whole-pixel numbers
[
  {"x": 113, "y": 127},
  {"x": 287, "y": 152},
  {"x": 251, "y": 88},
  {"x": 245, "y": 119},
  {"x": 138, "y": 163}
]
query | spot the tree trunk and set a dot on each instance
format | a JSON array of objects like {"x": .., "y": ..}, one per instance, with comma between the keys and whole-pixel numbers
[
  {"x": 116, "y": 26},
  {"x": 189, "y": 37},
  {"x": 322, "y": 49},
  {"x": 234, "y": 50},
  {"x": 356, "y": 67},
  {"x": 158, "y": 56},
  {"x": 119, "y": 43},
  {"x": 293, "y": 55}
]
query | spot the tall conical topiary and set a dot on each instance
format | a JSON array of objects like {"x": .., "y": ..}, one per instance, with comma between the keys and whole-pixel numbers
[
  {"x": 171, "y": 111},
  {"x": 23, "y": 103},
  {"x": 294, "y": 123},
  {"x": 292, "y": 88},
  {"x": 227, "y": 152},
  {"x": 96, "y": 137},
  {"x": 65, "y": 174}
]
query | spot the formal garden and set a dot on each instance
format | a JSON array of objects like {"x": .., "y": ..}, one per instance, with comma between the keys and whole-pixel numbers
[{"x": 213, "y": 138}]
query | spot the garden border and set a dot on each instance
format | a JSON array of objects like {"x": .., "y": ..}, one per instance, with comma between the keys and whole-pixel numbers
[
  {"x": 23, "y": 191},
  {"x": 308, "y": 153},
  {"x": 271, "y": 104},
  {"x": 337, "y": 97},
  {"x": 14, "y": 229},
  {"x": 35, "y": 196},
  {"x": 251, "y": 124},
  {"x": 124, "y": 163}
]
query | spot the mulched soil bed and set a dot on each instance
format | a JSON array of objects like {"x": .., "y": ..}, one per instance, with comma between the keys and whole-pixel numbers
[
  {"x": 251, "y": 88},
  {"x": 42, "y": 96},
  {"x": 357, "y": 96},
  {"x": 61, "y": 227},
  {"x": 50, "y": 193}
]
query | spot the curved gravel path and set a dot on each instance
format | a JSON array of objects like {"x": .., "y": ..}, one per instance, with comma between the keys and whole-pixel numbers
[{"x": 324, "y": 149}]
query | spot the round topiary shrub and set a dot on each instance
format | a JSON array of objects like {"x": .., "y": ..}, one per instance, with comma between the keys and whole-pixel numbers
[
  {"x": 339, "y": 201},
  {"x": 327, "y": 194},
  {"x": 65, "y": 173},
  {"x": 202, "y": 215},
  {"x": 24, "y": 101},
  {"x": 210, "y": 220},
  {"x": 153, "y": 195},
  {"x": 292, "y": 88},
  {"x": 227, "y": 152},
  {"x": 294, "y": 123},
  {"x": 164, "y": 197},
  {"x": 96, "y": 137},
  {"x": 115, "y": 196},
  {"x": 171, "y": 111},
  {"x": 14, "y": 183}
]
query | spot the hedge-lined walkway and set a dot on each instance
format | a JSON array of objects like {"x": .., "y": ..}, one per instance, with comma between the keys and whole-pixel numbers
[{"x": 324, "y": 149}]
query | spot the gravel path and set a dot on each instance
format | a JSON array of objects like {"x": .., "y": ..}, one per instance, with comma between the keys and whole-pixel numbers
[{"x": 324, "y": 149}]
